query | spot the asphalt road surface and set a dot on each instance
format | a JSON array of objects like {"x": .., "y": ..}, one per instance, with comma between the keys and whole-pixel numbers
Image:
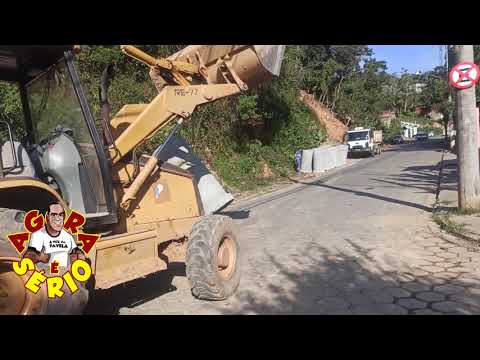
[{"x": 358, "y": 242}]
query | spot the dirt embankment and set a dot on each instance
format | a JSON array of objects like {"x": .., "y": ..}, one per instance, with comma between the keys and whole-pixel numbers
[{"x": 335, "y": 128}]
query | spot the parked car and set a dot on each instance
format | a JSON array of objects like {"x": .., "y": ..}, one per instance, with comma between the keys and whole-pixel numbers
[
  {"x": 421, "y": 136},
  {"x": 397, "y": 139}
]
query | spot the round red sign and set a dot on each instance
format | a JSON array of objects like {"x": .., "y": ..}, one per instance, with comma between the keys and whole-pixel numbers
[{"x": 464, "y": 75}]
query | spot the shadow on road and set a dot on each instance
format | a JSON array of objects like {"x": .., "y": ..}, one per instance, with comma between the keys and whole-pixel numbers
[
  {"x": 437, "y": 145},
  {"x": 418, "y": 177},
  {"x": 378, "y": 197},
  {"x": 326, "y": 282},
  {"x": 236, "y": 215},
  {"x": 424, "y": 178},
  {"x": 135, "y": 292},
  {"x": 371, "y": 195}
]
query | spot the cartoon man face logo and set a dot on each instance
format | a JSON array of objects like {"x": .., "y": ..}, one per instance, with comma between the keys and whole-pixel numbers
[
  {"x": 55, "y": 218},
  {"x": 50, "y": 250},
  {"x": 52, "y": 243}
]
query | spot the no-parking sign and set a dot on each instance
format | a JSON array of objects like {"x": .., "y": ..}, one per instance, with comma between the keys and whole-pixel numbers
[{"x": 464, "y": 75}]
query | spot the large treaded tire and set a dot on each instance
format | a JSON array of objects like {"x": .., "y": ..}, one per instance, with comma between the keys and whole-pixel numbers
[
  {"x": 202, "y": 269},
  {"x": 13, "y": 297},
  {"x": 11, "y": 221}
]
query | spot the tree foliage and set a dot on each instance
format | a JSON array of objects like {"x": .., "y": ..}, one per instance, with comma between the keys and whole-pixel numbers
[{"x": 239, "y": 136}]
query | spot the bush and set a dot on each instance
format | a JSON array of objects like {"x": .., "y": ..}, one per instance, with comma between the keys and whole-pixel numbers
[
  {"x": 236, "y": 136},
  {"x": 390, "y": 132}
]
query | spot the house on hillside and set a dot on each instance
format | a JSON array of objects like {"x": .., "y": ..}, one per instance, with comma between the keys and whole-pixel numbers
[
  {"x": 409, "y": 129},
  {"x": 386, "y": 118},
  {"x": 419, "y": 87},
  {"x": 435, "y": 115},
  {"x": 421, "y": 110}
]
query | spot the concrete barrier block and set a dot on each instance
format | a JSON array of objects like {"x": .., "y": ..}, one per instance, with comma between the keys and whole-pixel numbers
[
  {"x": 307, "y": 161},
  {"x": 331, "y": 159},
  {"x": 340, "y": 155},
  {"x": 321, "y": 159},
  {"x": 212, "y": 194},
  {"x": 340, "y": 158}
]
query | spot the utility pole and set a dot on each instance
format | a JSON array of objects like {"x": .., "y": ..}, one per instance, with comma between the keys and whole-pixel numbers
[
  {"x": 467, "y": 153},
  {"x": 451, "y": 61},
  {"x": 449, "y": 115}
]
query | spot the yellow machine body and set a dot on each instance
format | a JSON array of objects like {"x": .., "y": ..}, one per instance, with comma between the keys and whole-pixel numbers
[{"x": 158, "y": 206}]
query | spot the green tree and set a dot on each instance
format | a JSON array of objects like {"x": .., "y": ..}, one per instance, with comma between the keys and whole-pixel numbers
[
  {"x": 435, "y": 94},
  {"x": 360, "y": 100},
  {"x": 325, "y": 68},
  {"x": 11, "y": 111}
]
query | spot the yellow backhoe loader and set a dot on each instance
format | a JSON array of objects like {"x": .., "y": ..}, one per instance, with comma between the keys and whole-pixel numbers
[{"x": 148, "y": 212}]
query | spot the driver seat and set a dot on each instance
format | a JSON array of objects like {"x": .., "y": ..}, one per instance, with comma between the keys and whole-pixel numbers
[{"x": 25, "y": 165}]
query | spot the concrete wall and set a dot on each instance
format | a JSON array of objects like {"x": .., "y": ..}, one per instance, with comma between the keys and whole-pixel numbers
[{"x": 323, "y": 158}]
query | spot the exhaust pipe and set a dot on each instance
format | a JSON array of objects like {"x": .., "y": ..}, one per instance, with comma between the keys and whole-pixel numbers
[{"x": 107, "y": 76}]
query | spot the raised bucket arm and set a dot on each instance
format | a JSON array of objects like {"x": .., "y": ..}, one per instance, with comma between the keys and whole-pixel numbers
[{"x": 202, "y": 74}]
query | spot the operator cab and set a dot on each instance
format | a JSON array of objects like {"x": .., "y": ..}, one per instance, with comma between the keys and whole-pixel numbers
[{"x": 59, "y": 144}]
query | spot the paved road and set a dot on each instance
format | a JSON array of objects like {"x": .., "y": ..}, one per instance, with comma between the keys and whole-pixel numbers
[{"x": 360, "y": 242}]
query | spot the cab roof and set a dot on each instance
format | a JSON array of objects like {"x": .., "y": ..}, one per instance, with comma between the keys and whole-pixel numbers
[{"x": 21, "y": 63}]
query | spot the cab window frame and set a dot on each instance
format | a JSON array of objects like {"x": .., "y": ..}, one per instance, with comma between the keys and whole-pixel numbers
[{"x": 68, "y": 57}]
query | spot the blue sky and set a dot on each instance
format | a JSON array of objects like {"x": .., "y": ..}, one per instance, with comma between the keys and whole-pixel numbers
[{"x": 411, "y": 57}]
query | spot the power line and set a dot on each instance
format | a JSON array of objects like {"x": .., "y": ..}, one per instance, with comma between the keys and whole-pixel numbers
[
  {"x": 440, "y": 51},
  {"x": 446, "y": 57}
]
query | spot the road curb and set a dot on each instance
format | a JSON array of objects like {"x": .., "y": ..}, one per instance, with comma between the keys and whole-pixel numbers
[
  {"x": 457, "y": 239},
  {"x": 451, "y": 236},
  {"x": 296, "y": 185}
]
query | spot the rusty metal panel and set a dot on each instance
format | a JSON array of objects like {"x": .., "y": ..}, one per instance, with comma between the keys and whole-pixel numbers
[
  {"x": 181, "y": 201},
  {"x": 253, "y": 63},
  {"x": 121, "y": 258},
  {"x": 152, "y": 205},
  {"x": 124, "y": 262}
]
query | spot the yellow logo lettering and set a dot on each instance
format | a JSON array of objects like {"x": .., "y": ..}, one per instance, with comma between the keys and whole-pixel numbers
[
  {"x": 70, "y": 282},
  {"x": 81, "y": 264},
  {"x": 35, "y": 280},
  {"x": 54, "y": 286}
]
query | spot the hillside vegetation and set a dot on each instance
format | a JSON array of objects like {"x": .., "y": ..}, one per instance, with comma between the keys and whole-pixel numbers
[{"x": 250, "y": 140}]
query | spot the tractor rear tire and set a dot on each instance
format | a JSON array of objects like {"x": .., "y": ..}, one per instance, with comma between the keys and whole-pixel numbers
[
  {"x": 13, "y": 295},
  {"x": 11, "y": 221},
  {"x": 213, "y": 258}
]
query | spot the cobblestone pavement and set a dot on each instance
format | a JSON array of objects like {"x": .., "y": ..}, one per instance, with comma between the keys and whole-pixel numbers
[{"x": 362, "y": 242}]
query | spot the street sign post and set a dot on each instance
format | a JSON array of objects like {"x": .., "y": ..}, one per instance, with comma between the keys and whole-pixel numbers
[{"x": 464, "y": 75}]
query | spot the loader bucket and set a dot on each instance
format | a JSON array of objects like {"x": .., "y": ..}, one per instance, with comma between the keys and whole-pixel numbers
[
  {"x": 253, "y": 63},
  {"x": 271, "y": 57}
]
